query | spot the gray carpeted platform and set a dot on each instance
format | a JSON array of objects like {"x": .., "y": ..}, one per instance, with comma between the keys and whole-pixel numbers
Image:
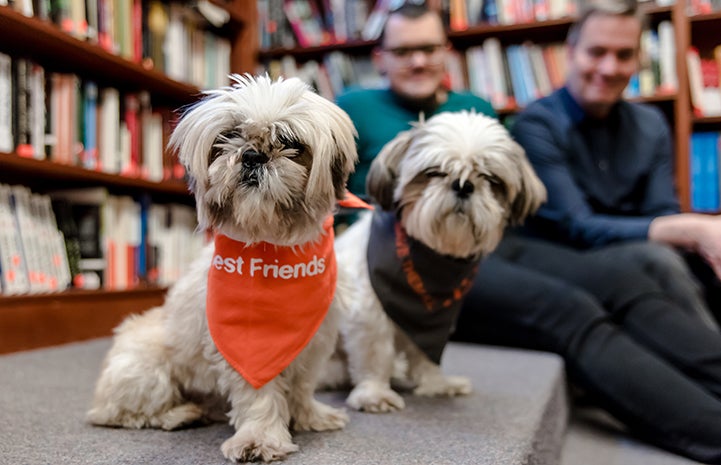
[{"x": 516, "y": 415}]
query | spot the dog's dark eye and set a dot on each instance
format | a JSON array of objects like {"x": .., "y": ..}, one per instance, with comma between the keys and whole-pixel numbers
[
  {"x": 497, "y": 185},
  {"x": 433, "y": 173},
  {"x": 229, "y": 135},
  {"x": 291, "y": 147}
]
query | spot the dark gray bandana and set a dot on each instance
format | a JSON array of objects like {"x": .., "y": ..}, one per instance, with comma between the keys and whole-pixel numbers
[{"x": 420, "y": 290}]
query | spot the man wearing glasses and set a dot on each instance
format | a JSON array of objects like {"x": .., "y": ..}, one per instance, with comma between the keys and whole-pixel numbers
[
  {"x": 411, "y": 54},
  {"x": 631, "y": 348}
]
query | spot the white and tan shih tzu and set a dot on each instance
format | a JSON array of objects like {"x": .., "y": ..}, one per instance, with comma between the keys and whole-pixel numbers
[
  {"x": 250, "y": 326},
  {"x": 445, "y": 191}
]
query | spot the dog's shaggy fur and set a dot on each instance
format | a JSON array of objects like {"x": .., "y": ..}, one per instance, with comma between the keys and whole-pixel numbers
[
  {"x": 268, "y": 162},
  {"x": 454, "y": 182}
]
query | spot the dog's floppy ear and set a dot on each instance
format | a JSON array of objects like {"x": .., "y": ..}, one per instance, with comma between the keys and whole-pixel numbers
[
  {"x": 383, "y": 172},
  {"x": 336, "y": 153},
  {"x": 532, "y": 192}
]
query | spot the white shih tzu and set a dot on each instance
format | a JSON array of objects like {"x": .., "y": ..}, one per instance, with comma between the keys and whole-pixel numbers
[
  {"x": 445, "y": 191},
  {"x": 250, "y": 326}
]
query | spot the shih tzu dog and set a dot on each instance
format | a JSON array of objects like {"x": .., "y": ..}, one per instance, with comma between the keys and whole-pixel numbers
[
  {"x": 445, "y": 191},
  {"x": 249, "y": 327}
]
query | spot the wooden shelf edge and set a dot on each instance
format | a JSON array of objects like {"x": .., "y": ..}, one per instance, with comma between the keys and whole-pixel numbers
[
  {"x": 35, "y": 321},
  {"x": 699, "y": 120},
  {"x": 49, "y": 170},
  {"x": 49, "y": 46}
]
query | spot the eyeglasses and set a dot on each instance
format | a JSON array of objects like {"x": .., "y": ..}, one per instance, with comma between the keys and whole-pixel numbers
[
  {"x": 432, "y": 52},
  {"x": 396, "y": 5}
]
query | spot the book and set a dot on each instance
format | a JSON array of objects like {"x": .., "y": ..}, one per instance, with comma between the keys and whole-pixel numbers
[
  {"x": 307, "y": 23},
  {"x": 6, "y": 104},
  {"x": 13, "y": 269},
  {"x": 109, "y": 130},
  {"x": 496, "y": 69},
  {"x": 667, "y": 58},
  {"x": 90, "y": 211}
]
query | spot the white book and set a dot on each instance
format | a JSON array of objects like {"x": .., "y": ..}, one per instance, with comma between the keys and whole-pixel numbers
[
  {"x": 28, "y": 238},
  {"x": 58, "y": 257},
  {"x": 6, "y": 99},
  {"x": 494, "y": 57},
  {"x": 667, "y": 57},
  {"x": 695, "y": 80},
  {"x": 12, "y": 261},
  {"x": 109, "y": 131},
  {"x": 540, "y": 71},
  {"x": 153, "y": 145},
  {"x": 37, "y": 111}
]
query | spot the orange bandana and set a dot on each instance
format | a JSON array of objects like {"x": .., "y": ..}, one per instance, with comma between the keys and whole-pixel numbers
[{"x": 266, "y": 302}]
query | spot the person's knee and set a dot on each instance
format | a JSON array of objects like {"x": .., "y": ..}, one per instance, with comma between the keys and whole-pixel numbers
[{"x": 654, "y": 257}]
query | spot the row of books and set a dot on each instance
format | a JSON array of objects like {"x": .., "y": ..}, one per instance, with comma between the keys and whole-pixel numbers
[
  {"x": 32, "y": 249},
  {"x": 66, "y": 120},
  {"x": 509, "y": 77},
  {"x": 307, "y": 23},
  {"x": 87, "y": 238},
  {"x": 332, "y": 76},
  {"x": 173, "y": 38},
  {"x": 463, "y": 14},
  {"x": 704, "y": 160},
  {"x": 704, "y": 76},
  {"x": 696, "y": 7}
]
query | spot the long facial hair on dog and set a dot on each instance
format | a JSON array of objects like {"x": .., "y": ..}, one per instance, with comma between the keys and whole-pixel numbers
[
  {"x": 265, "y": 164},
  {"x": 453, "y": 188}
]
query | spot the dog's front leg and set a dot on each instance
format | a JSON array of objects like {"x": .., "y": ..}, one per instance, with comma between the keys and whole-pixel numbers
[
  {"x": 306, "y": 412},
  {"x": 260, "y": 417},
  {"x": 428, "y": 377},
  {"x": 368, "y": 342}
]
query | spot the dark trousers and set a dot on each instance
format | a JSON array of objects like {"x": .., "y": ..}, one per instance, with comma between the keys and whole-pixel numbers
[{"x": 625, "y": 341}]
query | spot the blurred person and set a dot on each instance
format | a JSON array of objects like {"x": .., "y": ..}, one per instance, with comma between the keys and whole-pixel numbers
[
  {"x": 639, "y": 354},
  {"x": 608, "y": 166}
]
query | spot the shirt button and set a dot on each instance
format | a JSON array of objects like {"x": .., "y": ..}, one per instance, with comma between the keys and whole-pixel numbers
[{"x": 603, "y": 165}]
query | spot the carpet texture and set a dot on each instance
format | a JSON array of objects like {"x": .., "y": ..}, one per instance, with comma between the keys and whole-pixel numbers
[{"x": 516, "y": 415}]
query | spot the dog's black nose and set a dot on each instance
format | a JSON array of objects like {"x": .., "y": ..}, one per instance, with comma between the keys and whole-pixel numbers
[
  {"x": 251, "y": 159},
  {"x": 463, "y": 191}
]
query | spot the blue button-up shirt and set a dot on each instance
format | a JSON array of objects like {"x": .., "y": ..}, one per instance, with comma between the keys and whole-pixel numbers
[{"x": 606, "y": 179}]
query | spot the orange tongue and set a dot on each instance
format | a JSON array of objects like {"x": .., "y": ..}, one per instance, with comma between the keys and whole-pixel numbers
[{"x": 265, "y": 302}]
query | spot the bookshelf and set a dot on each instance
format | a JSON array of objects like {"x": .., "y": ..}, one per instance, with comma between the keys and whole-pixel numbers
[
  {"x": 699, "y": 30},
  {"x": 37, "y": 320}
]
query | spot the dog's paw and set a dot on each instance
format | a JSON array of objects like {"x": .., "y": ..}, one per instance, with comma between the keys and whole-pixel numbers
[
  {"x": 375, "y": 397},
  {"x": 244, "y": 446},
  {"x": 180, "y": 416},
  {"x": 444, "y": 386},
  {"x": 320, "y": 417}
]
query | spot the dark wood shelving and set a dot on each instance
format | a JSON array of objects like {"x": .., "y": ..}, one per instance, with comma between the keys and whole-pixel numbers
[
  {"x": 310, "y": 53},
  {"x": 55, "y": 50},
  {"x": 43, "y": 173},
  {"x": 707, "y": 120},
  {"x": 33, "y": 321},
  {"x": 715, "y": 16}
]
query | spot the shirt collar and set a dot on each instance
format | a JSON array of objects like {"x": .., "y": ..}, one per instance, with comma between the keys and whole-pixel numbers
[
  {"x": 577, "y": 115},
  {"x": 574, "y": 110}
]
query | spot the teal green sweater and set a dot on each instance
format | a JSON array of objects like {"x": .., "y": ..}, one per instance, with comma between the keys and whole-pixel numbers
[{"x": 379, "y": 115}]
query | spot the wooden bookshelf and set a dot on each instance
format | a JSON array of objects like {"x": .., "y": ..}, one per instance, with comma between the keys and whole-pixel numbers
[
  {"x": 32, "y": 321},
  {"x": 44, "y": 173}
]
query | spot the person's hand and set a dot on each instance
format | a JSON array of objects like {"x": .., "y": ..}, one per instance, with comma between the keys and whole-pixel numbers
[
  {"x": 695, "y": 232},
  {"x": 709, "y": 242}
]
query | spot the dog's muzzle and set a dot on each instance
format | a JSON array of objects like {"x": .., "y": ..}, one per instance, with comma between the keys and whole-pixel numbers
[
  {"x": 462, "y": 191},
  {"x": 252, "y": 161}
]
